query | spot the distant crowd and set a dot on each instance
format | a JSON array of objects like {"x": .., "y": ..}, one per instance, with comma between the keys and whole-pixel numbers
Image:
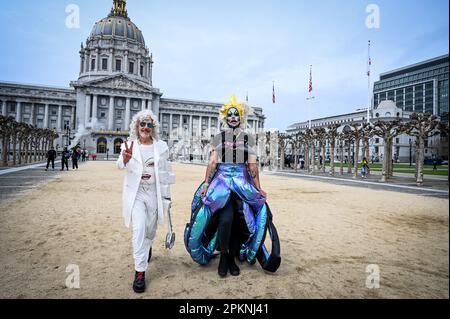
[{"x": 75, "y": 155}]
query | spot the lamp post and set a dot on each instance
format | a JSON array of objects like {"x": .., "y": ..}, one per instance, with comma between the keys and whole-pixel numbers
[{"x": 68, "y": 135}]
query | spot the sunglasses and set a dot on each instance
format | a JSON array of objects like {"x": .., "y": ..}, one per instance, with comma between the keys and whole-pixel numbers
[{"x": 149, "y": 125}]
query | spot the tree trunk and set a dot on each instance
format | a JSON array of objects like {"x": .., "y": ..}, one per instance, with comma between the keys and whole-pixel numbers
[
  {"x": 349, "y": 157},
  {"x": 419, "y": 180},
  {"x": 416, "y": 152},
  {"x": 367, "y": 149},
  {"x": 324, "y": 146},
  {"x": 296, "y": 158},
  {"x": 306, "y": 157},
  {"x": 391, "y": 164},
  {"x": 313, "y": 157},
  {"x": 20, "y": 151},
  {"x": 5, "y": 142},
  {"x": 332, "y": 146},
  {"x": 355, "y": 173},
  {"x": 14, "y": 144},
  {"x": 36, "y": 145},
  {"x": 341, "y": 149},
  {"x": 385, "y": 169}
]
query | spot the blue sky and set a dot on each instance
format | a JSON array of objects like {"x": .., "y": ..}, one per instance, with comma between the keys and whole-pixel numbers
[{"x": 207, "y": 50}]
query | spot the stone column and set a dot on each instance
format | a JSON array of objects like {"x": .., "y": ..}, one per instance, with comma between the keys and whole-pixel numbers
[
  {"x": 97, "y": 62},
  {"x": 139, "y": 65},
  {"x": 4, "y": 110},
  {"x": 58, "y": 126},
  {"x": 155, "y": 105},
  {"x": 144, "y": 104},
  {"x": 209, "y": 127},
  {"x": 111, "y": 114},
  {"x": 125, "y": 69},
  {"x": 199, "y": 128},
  {"x": 150, "y": 71},
  {"x": 86, "y": 62},
  {"x": 111, "y": 61},
  {"x": 46, "y": 116},
  {"x": 73, "y": 117},
  {"x": 94, "y": 108},
  {"x": 127, "y": 113},
  {"x": 19, "y": 112},
  {"x": 170, "y": 125},
  {"x": 87, "y": 110},
  {"x": 190, "y": 126}
]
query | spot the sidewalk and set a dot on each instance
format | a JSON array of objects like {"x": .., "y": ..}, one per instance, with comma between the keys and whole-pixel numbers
[
  {"x": 433, "y": 185},
  {"x": 9, "y": 170}
]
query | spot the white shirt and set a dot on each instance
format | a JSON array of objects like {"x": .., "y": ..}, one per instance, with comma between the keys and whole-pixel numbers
[{"x": 148, "y": 174}]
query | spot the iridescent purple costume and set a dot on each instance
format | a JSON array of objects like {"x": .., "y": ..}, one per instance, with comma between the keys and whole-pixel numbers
[{"x": 201, "y": 238}]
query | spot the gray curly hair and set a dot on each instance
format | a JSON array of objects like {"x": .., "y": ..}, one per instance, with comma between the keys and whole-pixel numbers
[{"x": 141, "y": 116}]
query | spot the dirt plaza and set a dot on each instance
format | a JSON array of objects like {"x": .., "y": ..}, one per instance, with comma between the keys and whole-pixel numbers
[{"x": 329, "y": 235}]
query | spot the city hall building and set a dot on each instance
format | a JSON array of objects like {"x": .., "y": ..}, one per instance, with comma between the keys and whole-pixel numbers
[{"x": 114, "y": 83}]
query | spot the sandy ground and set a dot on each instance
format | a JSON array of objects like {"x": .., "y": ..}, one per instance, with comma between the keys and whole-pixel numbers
[{"x": 329, "y": 234}]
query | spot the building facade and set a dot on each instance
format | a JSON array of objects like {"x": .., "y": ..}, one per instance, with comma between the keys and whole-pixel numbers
[
  {"x": 114, "y": 83},
  {"x": 421, "y": 87},
  {"x": 403, "y": 145}
]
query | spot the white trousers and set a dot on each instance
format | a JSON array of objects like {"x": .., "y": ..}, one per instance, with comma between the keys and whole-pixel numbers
[{"x": 144, "y": 218}]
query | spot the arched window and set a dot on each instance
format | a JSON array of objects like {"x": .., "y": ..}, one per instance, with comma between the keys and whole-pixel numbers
[
  {"x": 117, "y": 143},
  {"x": 101, "y": 145},
  {"x": 387, "y": 114}
]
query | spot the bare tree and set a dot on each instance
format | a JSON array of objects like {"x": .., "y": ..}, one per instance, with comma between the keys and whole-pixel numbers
[
  {"x": 367, "y": 135},
  {"x": 387, "y": 130},
  {"x": 422, "y": 126},
  {"x": 358, "y": 134},
  {"x": 282, "y": 143},
  {"x": 308, "y": 140},
  {"x": 297, "y": 140},
  {"x": 321, "y": 135},
  {"x": 7, "y": 125},
  {"x": 332, "y": 135}
]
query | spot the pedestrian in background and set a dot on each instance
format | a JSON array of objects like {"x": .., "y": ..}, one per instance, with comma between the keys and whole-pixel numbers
[{"x": 51, "y": 156}]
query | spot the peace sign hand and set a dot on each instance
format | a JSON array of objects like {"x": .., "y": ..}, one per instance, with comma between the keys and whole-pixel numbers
[{"x": 127, "y": 153}]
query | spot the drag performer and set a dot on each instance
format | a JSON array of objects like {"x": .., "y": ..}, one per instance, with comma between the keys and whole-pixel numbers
[
  {"x": 229, "y": 210},
  {"x": 146, "y": 188}
]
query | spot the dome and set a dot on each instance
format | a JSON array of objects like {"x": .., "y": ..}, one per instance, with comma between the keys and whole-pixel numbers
[{"x": 118, "y": 25}]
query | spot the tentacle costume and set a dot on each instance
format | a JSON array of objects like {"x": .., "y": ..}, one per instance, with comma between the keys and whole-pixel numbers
[{"x": 232, "y": 182}]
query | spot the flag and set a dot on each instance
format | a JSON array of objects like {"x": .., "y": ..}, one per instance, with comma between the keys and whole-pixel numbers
[
  {"x": 310, "y": 81},
  {"x": 369, "y": 61},
  {"x": 273, "y": 94}
]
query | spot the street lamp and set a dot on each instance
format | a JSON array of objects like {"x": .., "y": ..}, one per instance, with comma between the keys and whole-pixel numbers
[{"x": 68, "y": 135}]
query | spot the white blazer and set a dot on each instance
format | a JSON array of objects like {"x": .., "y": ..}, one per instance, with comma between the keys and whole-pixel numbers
[{"x": 132, "y": 179}]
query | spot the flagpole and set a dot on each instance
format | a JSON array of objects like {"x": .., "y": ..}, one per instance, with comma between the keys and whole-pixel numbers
[
  {"x": 369, "y": 100},
  {"x": 310, "y": 98}
]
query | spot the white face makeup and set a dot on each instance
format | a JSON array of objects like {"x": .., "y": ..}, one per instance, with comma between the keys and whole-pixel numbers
[
  {"x": 145, "y": 128},
  {"x": 233, "y": 118}
]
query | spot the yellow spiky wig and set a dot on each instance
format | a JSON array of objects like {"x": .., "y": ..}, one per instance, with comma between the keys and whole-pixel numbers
[{"x": 242, "y": 108}]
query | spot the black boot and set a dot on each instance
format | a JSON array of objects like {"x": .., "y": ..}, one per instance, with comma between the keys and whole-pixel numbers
[
  {"x": 223, "y": 264},
  {"x": 139, "y": 282},
  {"x": 234, "y": 269}
]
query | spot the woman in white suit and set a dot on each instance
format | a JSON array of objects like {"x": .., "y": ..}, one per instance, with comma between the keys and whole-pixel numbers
[{"x": 146, "y": 188}]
